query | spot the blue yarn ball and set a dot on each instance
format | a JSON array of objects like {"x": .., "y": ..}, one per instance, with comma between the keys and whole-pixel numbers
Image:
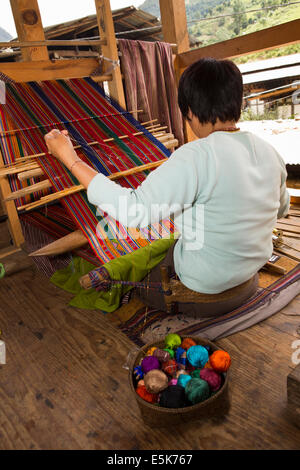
[
  {"x": 197, "y": 356},
  {"x": 179, "y": 352},
  {"x": 138, "y": 372},
  {"x": 183, "y": 379}
]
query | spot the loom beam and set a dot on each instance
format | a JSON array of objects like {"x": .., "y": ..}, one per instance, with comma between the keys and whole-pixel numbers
[{"x": 70, "y": 242}]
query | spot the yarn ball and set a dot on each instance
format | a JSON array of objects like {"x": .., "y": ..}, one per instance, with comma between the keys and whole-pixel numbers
[
  {"x": 141, "y": 383},
  {"x": 173, "y": 397},
  {"x": 196, "y": 373},
  {"x": 173, "y": 382},
  {"x": 180, "y": 356},
  {"x": 149, "y": 363},
  {"x": 138, "y": 372},
  {"x": 208, "y": 365},
  {"x": 162, "y": 355},
  {"x": 180, "y": 372},
  {"x": 150, "y": 351},
  {"x": 197, "y": 356},
  {"x": 172, "y": 340},
  {"x": 171, "y": 352},
  {"x": 187, "y": 343},
  {"x": 155, "y": 381},
  {"x": 212, "y": 378},
  {"x": 183, "y": 380},
  {"x": 197, "y": 390},
  {"x": 220, "y": 361},
  {"x": 169, "y": 367},
  {"x": 145, "y": 395}
]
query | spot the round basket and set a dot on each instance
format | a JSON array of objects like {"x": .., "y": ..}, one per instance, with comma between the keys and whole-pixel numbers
[{"x": 154, "y": 415}]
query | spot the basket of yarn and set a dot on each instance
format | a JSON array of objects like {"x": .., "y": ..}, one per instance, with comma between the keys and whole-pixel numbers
[{"x": 180, "y": 379}]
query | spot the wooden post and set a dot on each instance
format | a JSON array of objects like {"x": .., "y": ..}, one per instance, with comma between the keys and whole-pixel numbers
[
  {"x": 175, "y": 31},
  {"x": 107, "y": 31},
  {"x": 174, "y": 25},
  {"x": 29, "y": 28},
  {"x": 11, "y": 211}
]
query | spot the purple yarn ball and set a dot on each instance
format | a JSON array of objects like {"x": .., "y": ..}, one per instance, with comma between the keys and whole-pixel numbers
[
  {"x": 212, "y": 378},
  {"x": 149, "y": 363}
]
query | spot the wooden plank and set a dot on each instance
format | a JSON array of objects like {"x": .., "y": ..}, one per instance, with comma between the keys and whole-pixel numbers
[
  {"x": 269, "y": 38},
  {"x": 29, "y": 28},
  {"x": 49, "y": 70},
  {"x": 107, "y": 31}
]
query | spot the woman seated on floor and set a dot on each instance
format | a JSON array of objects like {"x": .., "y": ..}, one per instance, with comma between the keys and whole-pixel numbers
[{"x": 226, "y": 189}]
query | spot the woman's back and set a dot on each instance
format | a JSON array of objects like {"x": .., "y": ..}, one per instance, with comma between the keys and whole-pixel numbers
[{"x": 242, "y": 193}]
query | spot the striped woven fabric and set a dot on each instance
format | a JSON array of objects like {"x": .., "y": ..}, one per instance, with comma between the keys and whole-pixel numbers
[
  {"x": 147, "y": 322},
  {"x": 81, "y": 107}
]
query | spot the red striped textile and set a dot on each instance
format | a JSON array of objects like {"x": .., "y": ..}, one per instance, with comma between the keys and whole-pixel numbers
[{"x": 81, "y": 107}]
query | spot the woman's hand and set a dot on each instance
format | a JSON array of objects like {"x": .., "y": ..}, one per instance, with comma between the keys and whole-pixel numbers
[{"x": 60, "y": 145}]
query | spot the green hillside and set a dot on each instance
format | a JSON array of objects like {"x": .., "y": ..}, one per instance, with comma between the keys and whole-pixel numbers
[{"x": 224, "y": 27}]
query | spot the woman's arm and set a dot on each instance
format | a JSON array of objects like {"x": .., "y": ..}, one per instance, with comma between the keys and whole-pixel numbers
[
  {"x": 167, "y": 190},
  {"x": 60, "y": 145}
]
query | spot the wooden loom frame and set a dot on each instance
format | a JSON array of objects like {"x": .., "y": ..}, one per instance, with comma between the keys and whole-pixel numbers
[{"x": 37, "y": 66}]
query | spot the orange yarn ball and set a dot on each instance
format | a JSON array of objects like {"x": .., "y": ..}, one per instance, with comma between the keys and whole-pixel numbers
[
  {"x": 208, "y": 365},
  {"x": 150, "y": 351},
  {"x": 145, "y": 395},
  {"x": 187, "y": 343},
  {"x": 220, "y": 361}
]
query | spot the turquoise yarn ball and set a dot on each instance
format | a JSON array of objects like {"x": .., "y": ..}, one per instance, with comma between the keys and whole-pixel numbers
[
  {"x": 183, "y": 379},
  {"x": 197, "y": 356},
  {"x": 197, "y": 390}
]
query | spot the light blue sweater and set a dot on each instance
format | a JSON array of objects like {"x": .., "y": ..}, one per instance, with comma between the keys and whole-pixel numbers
[{"x": 226, "y": 192}]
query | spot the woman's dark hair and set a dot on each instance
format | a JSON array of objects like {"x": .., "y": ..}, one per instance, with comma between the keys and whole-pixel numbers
[{"x": 211, "y": 89}]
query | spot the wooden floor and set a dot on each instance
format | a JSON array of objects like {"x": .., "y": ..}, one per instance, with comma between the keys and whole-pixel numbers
[{"x": 64, "y": 385}]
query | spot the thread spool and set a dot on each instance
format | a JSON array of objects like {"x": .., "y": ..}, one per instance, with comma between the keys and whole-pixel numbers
[
  {"x": 155, "y": 381},
  {"x": 149, "y": 363},
  {"x": 172, "y": 397},
  {"x": 197, "y": 390},
  {"x": 220, "y": 360},
  {"x": 197, "y": 356},
  {"x": 172, "y": 341}
]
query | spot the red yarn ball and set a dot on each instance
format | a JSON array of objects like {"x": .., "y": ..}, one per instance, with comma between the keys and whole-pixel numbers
[
  {"x": 145, "y": 395},
  {"x": 212, "y": 378},
  {"x": 187, "y": 343},
  {"x": 169, "y": 367},
  {"x": 220, "y": 361}
]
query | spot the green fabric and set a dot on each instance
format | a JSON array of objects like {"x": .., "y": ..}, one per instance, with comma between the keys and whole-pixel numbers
[
  {"x": 2, "y": 271},
  {"x": 132, "y": 267}
]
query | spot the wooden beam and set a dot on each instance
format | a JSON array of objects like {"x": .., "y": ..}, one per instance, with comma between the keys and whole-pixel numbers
[
  {"x": 174, "y": 28},
  {"x": 58, "y": 42},
  {"x": 29, "y": 28},
  {"x": 107, "y": 31},
  {"x": 174, "y": 25},
  {"x": 48, "y": 70},
  {"x": 269, "y": 38}
]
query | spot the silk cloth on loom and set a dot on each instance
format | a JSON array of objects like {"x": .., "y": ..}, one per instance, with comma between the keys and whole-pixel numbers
[
  {"x": 81, "y": 107},
  {"x": 150, "y": 82}
]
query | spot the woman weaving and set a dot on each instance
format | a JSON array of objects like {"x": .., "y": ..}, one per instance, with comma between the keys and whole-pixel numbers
[{"x": 225, "y": 189}]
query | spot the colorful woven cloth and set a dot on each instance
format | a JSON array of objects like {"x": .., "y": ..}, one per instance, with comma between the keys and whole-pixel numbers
[
  {"x": 81, "y": 107},
  {"x": 148, "y": 325}
]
